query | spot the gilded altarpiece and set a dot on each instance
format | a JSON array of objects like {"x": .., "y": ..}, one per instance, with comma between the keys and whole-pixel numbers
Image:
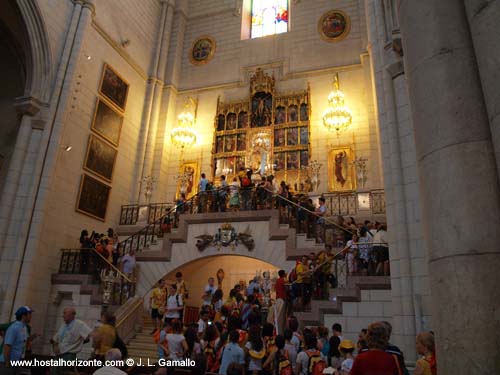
[{"x": 269, "y": 133}]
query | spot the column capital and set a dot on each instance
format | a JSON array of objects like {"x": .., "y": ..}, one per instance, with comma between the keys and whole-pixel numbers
[
  {"x": 28, "y": 105},
  {"x": 396, "y": 69}
]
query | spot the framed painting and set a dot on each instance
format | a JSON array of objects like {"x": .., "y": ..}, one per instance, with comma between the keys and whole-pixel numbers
[
  {"x": 221, "y": 123},
  {"x": 279, "y": 137},
  {"x": 304, "y": 135},
  {"x": 107, "y": 122},
  {"x": 242, "y": 120},
  {"x": 304, "y": 112},
  {"x": 304, "y": 159},
  {"x": 100, "y": 158},
  {"x": 219, "y": 145},
  {"x": 280, "y": 115},
  {"x": 341, "y": 171},
  {"x": 292, "y": 136},
  {"x": 292, "y": 160},
  {"x": 230, "y": 143},
  {"x": 202, "y": 51},
  {"x": 93, "y": 198},
  {"x": 334, "y": 25},
  {"x": 231, "y": 121},
  {"x": 114, "y": 87},
  {"x": 241, "y": 142},
  {"x": 293, "y": 114},
  {"x": 279, "y": 161},
  {"x": 262, "y": 109},
  {"x": 188, "y": 178}
]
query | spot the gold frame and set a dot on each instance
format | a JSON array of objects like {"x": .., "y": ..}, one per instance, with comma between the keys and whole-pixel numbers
[
  {"x": 78, "y": 209},
  {"x": 95, "y": 173},
  {"x": 341, "y": 36},
  {"x": 110, "y": 105},
  {"x": 350, "y": 178},
  {"x": 107, "y": 66},
  {"x": 210, "y": 55},
  {"x": 196, "y": 178}
]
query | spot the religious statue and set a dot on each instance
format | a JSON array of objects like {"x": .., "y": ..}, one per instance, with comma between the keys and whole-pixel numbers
[{"x": 341, "y": 167}]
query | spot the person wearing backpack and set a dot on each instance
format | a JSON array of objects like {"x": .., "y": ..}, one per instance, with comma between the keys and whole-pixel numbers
[
  {"x": 279, "y": 358},
  {"x": 246, "y": 190},
  {"x": 174, "y": 304},
  {"x": 310, "y": 361}
]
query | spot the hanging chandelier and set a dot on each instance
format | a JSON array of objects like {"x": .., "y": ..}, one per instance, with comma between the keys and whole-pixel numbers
[
  {"x": 337, "y": 116},
  {"x": 183, "y": 134}
]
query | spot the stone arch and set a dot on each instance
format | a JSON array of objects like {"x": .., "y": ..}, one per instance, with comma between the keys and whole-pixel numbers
[
  {"x": 197, "y": 271},
  {"x": 33, "y": 38}
]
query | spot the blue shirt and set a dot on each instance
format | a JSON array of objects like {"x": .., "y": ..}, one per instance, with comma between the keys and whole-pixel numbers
[
  {"x": 161, "y": 352},
  {"x": 232, "y": 353},
  {"x": 15, "y": 337},
  {"x": 203, "y": 184}
]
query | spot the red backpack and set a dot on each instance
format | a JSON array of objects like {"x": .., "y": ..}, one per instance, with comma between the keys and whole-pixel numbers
[
  {"x": 284, "y": 364},
  {"x": 245, "y": 181},
  {"x": 316, "y": 363}
]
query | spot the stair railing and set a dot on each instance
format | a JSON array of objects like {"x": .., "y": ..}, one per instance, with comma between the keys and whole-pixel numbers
[{"x": 115, "y": 286}]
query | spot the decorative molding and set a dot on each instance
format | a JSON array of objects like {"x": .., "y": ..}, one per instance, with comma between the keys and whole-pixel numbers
[
  {"x": 27, "y": 105},
  {"x": 396, "y": 69}
]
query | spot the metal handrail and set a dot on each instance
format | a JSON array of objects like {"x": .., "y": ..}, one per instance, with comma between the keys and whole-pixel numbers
[
  {"x": 111, "y": 264},
  {"x": 170, "y": 212},
  {"x": 305, "y": 209}
]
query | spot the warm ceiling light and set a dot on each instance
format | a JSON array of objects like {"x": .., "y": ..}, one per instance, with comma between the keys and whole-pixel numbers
[
  {"x": 337, "y": 116},
  {"x": 183, "y": 135}
]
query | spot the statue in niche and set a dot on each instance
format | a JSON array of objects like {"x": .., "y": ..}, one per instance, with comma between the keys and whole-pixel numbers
[{"x": 341, "y": 167}]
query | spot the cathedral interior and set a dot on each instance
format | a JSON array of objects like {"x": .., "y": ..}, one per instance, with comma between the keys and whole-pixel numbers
[{"x": 229, "y": 138}]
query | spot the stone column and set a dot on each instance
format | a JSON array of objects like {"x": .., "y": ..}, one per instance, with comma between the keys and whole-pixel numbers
[
  {"x": 484, "y": 22},
  {"x": 459, "y": 184}
]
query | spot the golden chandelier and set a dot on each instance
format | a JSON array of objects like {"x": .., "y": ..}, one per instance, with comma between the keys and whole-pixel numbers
[{"x": 337, "y": 116}]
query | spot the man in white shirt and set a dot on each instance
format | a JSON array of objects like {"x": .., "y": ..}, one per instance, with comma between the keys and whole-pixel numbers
[
  {"x": 174, "y": 304},
  {"x": 111, "y": 355},
  {"x": 209, "y": 292},
  {"x": 128, "y": 263},
  {"x": 69, "y": 339}
]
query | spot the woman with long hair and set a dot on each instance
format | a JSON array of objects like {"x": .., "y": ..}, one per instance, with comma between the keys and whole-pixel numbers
[{"x": 426, "y": 348}]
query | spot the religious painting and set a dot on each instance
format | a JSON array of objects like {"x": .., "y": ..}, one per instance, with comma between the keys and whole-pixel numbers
[
  {"x": 187, "y": 179},
  {"x": 304, "y": 112},
  {"x": 93, "y": 197},
  {"x": 241, "y": 142},
  {"x": 279, "y": 161},
  {"x": 292, "y": 136},
  {"x": 230, "y": 143},
  {"x": 293, "y": 115},
  {"x": 341, "y": 171},
  {"x": 202, "y": 51},
  {"x": 242, "y": 120},
  {"x": 221, "y": 123},
  {"x": 304, "y": 135},
  {"x": 231, "y": 121},
  {"x": 334, "y": 26},
  {"x": 113, "y": 87},
  {"x": 279, "y": 137},
  {"x": 262, "y": 104},
  {"x": 229, "y": 166},
  {"x": 304, "y": 159},
  {"x": 240, "y": 163},
  {"x": 219, "y": 144},
  {"x": 292, "y": 160},
  {"x": 107, "y": 122},
  {"x": 280, "y": 115},
  {"x": 100, "y": 158}
]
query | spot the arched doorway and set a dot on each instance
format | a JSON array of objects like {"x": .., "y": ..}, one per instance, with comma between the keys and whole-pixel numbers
[
  {"x": 236, "y": 268},
  {"x": 13, "y": 49}
]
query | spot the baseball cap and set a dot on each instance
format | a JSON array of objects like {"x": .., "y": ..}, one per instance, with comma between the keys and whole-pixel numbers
[{"x": 23, "y": 310}]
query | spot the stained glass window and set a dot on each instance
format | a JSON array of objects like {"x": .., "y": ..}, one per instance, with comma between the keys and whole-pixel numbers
[{"x": 269, "y": 17}]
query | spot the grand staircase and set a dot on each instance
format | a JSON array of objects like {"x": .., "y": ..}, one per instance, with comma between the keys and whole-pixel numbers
[{"x": 142, "y": 346}]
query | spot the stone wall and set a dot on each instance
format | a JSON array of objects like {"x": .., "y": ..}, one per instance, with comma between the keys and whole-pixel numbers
[{"x": 375, "y": 305}]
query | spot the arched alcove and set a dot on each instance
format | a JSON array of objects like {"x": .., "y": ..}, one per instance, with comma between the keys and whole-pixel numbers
[{"x": 235, "y": 267}]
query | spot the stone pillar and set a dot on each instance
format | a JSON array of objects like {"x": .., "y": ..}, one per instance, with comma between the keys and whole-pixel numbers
[
  {"x": 484, "y": 22},
  {"x": 459, "y": 184}
]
